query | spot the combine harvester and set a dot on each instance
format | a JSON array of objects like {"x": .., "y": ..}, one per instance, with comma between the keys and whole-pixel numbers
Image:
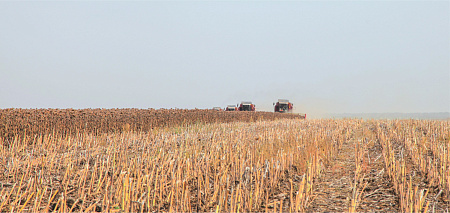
[
  {"x": 246, "y": 106},
  {"x": 217, "y": 108},
  {"x": 231, "y": 108},
  {"x": 284, "y": 106}
]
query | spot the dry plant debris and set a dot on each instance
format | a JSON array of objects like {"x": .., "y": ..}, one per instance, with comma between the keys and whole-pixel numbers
[{"x": 283, "y": 165}]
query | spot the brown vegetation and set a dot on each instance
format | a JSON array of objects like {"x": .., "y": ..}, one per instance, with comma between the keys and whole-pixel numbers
[
  {"x": 17, "y": 122},
  {"x": 280, "y": 165}
]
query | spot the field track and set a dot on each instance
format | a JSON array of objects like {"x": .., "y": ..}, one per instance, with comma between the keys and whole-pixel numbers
[
  {"x": 278, "y": 165},
  {"x": 335, "y": 189}
]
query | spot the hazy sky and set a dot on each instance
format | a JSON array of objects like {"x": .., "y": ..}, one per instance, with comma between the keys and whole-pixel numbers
[{"x": 325, "y": 56}]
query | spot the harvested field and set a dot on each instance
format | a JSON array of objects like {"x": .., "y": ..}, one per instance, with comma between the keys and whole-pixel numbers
[{"x": 266, "y": 165}]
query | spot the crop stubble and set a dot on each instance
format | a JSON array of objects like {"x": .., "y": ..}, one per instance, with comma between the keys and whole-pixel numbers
[{"x": 265, "y": 165}]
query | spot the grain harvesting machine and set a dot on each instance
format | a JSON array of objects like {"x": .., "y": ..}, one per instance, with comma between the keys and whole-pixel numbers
[
  {"x": 231, "y": 108},
  {"x": 246, "y": 106},
  {"x": 217, "y": 109},
  {"x": 283, "y": 106}
]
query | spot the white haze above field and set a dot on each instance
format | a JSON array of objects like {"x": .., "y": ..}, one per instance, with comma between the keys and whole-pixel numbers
[{"x": 324, "y": 56}]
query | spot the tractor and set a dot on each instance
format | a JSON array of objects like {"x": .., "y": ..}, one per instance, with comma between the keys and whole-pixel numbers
[
  {"x": 283, "y": 106},
  {"x": 246, "y": 106}
]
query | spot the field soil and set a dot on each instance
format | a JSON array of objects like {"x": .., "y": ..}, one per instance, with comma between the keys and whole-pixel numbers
[{"x": 334, "y": 189}]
